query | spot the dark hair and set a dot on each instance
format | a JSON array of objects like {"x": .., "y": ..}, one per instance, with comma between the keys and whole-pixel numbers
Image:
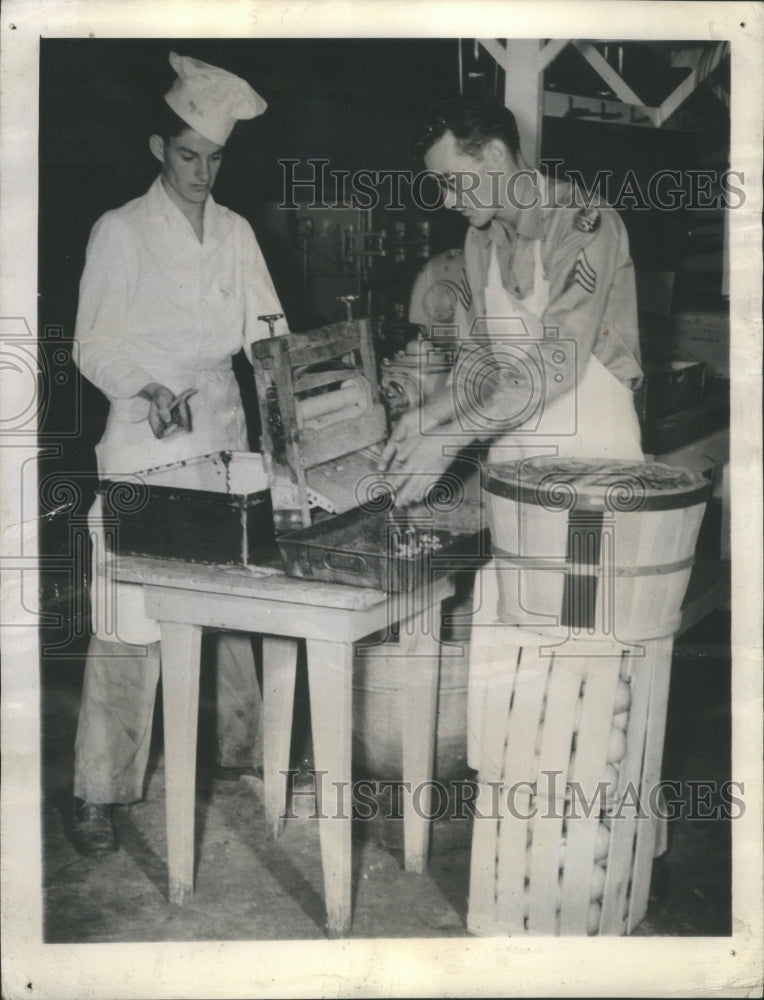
[
  {"x": 167, "y": 124},
  {"x": 472, "y": 119}
]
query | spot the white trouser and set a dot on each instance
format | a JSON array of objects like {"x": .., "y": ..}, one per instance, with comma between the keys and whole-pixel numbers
[{"x": 117, "y": 708}]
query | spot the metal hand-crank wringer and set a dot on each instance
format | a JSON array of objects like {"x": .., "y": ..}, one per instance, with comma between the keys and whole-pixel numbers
[{"x": 323, "y": 429}]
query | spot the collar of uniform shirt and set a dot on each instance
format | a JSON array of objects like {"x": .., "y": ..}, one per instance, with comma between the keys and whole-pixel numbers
[
  {"x": 161, "y": 205},
  {"x": 530, "y": 225},
  {"x": 515, "y": 264}
]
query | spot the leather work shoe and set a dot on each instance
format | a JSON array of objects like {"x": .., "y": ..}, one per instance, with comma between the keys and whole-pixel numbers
[{"x": 93, "y": 833}]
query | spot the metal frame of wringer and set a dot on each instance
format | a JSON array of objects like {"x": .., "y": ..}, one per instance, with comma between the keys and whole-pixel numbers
[{"x": 321, "y": 418}]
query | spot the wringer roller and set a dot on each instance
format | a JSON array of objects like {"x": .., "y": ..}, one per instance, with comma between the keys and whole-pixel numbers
[{"x": 321, "y": 417}]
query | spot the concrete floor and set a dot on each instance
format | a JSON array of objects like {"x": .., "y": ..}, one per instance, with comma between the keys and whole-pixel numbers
[{"x": 249, "y": 888}]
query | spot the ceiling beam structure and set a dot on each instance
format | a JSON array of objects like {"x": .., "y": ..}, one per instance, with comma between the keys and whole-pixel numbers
[
  {"x": 524, "y": 62},
  {"x": 523, "y": 87}
]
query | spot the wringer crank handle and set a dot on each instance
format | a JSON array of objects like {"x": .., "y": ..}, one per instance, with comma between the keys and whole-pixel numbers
[{"x": 270, "y": 319}]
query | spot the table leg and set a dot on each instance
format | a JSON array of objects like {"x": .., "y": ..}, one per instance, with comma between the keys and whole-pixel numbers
[
  {"x": 419, "y": 676},
  {"x": 330, "y": 669},
  {"x": 181, "y": 646},
  {"x": 279, "y": 667}
]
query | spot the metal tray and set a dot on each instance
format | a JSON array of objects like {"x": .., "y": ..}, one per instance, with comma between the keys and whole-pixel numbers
[
  {"x": 213, "y": 509},
  {"x": 670, "y": 387},
  {"x": 386, "y": 551}
]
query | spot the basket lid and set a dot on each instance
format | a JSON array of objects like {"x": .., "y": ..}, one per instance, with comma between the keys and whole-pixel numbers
[{"x": 562, "y": 484}]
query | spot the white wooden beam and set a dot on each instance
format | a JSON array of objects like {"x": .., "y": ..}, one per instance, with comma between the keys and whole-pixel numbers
[
  {"x": 524, "y": 61},
  {"x": 551, "y": 50},
  {"x": 617, "y": 84},
  {"x": 494, "y": 48},
  {"x": 524, "y": 94},
  {"x": 702, "y": 62}
]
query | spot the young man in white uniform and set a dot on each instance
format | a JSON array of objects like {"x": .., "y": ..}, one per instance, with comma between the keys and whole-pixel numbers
[{"x": 172, "y": 288}]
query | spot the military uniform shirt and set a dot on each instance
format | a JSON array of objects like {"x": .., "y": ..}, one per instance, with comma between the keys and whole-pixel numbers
[{"x": 592, "y": 299}]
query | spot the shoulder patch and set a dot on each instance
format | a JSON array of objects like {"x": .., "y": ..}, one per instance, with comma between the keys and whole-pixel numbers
[
  {"x": 587, "y": 220},
  {"x": 440, "y": 301}
]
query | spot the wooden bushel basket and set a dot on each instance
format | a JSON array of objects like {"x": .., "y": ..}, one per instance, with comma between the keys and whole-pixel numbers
[
  {"x": 565, "y": 818},
  {"x": 593, "y": 549}
]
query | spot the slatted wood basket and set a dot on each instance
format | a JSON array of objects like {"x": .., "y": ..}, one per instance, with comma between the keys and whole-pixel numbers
[{"x": 565, "y": 826}]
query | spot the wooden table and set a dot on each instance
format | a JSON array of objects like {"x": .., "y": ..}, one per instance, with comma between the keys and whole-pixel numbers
[{"x": 186, "y": 597}]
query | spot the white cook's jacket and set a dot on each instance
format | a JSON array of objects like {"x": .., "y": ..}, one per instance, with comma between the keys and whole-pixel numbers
[{"x": 158, "y": 305}]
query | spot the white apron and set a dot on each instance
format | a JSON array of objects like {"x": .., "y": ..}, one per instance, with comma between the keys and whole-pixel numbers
[
  {"x": 129, "y": 446},
  {"x": 607, "y": 427}
]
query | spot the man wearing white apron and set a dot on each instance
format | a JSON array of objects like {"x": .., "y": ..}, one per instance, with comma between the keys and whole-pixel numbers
[
  {"x": 552, "y": 356},
  {"x": 172, "y": 288},
  {"x": 550, "y": 362}
]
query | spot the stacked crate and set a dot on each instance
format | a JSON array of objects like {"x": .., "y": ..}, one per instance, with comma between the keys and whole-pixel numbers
[{"x": 571, "y": 723}]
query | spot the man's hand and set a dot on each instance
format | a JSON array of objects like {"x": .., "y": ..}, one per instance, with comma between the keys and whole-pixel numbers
[
  {"x": 414, "y": 457},
  {"x": 421, "y": 470},
  {"x": 167, "y": 414},
  {"x": 406, "y": 437}
]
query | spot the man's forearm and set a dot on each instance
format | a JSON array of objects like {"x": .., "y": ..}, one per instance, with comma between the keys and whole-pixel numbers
[{"x": 439, "y": 408}]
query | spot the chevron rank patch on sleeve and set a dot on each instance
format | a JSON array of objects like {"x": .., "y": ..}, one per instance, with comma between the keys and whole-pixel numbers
[
  {"x": 465, "y": 292},
  {"x": 582, "y": 274}
]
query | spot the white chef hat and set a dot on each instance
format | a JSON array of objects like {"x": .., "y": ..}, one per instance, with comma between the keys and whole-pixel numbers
[{"x": 209, "y": 99}]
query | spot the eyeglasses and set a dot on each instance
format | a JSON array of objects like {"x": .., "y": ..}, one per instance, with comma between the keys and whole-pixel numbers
[
  {"x": 437, "y": 126},
  {"x": 426, "y": 134}
]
